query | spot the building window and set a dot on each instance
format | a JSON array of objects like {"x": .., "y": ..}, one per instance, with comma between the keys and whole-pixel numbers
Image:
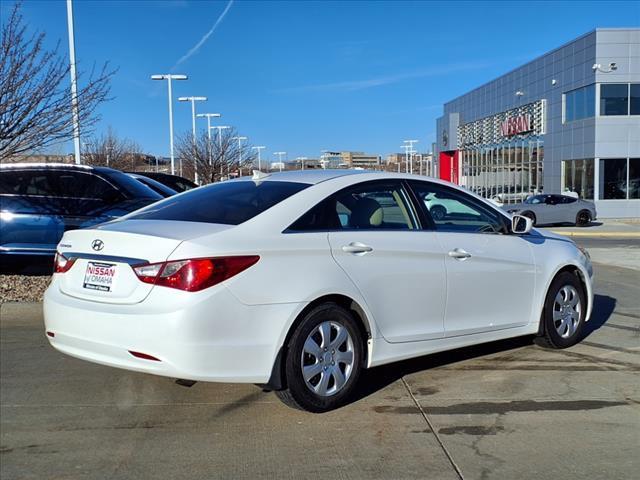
[
  {"x": 613, "y": 178},
  {"x": 634, "y": 102},
  {"x": 580, "y": 103},
  {"x": 614, "y": 99},
  {"x": 634, "y": 178},
  {"x": 578, "y": 176}
]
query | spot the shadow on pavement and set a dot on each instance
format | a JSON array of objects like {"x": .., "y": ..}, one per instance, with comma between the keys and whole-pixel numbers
[
  {"x": 378, "y": 378},
  {"x": 603, "y": 307}
]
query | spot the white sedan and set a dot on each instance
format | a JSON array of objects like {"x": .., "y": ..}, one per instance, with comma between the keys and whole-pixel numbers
[{"x": 298, "y": 281}]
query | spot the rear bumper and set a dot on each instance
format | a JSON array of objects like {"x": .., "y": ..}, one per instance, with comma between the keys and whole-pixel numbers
[{"x": 205, "y": 336}]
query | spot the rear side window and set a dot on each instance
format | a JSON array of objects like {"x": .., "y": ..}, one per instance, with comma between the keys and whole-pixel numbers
[
  {"x": 229, "y": 203},
  {"x": 56, "y": 183},
  {"x": 367, "y": 206}
]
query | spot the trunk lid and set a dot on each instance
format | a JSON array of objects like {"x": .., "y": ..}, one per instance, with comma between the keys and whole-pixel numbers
[{"x": 105, "y": 255}]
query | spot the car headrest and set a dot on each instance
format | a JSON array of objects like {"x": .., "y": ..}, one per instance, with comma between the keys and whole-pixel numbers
[{"x": 367, "y": 213}]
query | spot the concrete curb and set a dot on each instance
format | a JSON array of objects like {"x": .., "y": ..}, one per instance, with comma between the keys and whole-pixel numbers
[{"x": 598, "y": 234}]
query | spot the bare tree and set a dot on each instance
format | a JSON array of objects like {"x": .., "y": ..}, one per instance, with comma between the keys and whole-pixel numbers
[
  {"x": 35, "y": 100},
  {"x": 216, "y": 160},
  {"x": 108, "y": 150}
]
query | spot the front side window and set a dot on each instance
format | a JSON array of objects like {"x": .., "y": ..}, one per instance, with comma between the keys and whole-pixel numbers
[
  {"x": 613, "y": 178},
  {"x": 454, "y": 211},
  {"x": 614, "y": 99},
  {"x": 228, "y": 203},
  {"x": 368, "y": 206}
]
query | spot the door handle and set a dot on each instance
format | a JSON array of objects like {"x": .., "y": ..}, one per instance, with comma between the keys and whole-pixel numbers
[
  {"x": 459, "y": 254},
  {"x": 357, "y": 248}
]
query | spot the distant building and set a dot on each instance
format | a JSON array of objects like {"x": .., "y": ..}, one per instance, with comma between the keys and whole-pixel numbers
[
  {"x": 332, "y": 160},
  {"x": 360, "y": 160}
]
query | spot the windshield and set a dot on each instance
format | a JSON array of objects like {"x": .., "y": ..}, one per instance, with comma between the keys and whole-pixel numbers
[{"x": 229, "y": 203}]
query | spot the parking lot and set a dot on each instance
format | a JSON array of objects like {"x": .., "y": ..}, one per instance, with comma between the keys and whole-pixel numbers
[{"x": 498, "y": 411}]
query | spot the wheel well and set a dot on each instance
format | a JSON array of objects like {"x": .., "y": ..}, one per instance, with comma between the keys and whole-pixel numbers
[
  {"x": 575, "y": 271},
  {"x": 277, "y": 381}
]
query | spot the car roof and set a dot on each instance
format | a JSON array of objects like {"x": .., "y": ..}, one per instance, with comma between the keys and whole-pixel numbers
[
  {"x": 70, "y": 166},
  {"x": 311, "y": 176}
]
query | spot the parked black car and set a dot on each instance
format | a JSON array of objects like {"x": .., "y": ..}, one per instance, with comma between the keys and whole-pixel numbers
[
  {"x": 39, "y": 202},
  {"x": 156, "y": 186},
  {"x": 179, "y": 184}
]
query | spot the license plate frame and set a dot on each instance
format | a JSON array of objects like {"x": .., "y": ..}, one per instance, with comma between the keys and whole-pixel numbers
[{"x": 99, "y": 276}]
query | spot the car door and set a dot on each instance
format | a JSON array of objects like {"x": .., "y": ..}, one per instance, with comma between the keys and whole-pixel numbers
[
  {"x": 397, "y": 267},
  {"x": 490, "y": 273}
]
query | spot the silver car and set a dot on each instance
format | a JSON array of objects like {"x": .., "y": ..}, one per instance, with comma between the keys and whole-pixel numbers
[{"x": 546, "y": 209}]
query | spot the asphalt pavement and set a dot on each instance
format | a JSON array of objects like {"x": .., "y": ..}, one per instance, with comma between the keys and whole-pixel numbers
[{"x": 503, "y": 410}]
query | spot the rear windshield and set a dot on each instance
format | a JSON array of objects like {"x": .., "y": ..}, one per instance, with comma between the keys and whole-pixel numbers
[{"x": 229, "y": 203}]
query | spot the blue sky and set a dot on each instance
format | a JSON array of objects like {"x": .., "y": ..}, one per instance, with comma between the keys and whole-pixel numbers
[{"x": 306, "y": 76}]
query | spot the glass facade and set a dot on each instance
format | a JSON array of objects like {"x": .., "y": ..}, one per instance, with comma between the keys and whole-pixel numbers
[
  {"x": 634, "y": 98},
  {"x": 578, "y": 176},
  {"x": 580, "y": 103},
  {"x": 507, "y": 172},
  {"x": 613, "y": 178},
  {"x": 614, "y": 99},
  {"x": 634, "y": 178}
]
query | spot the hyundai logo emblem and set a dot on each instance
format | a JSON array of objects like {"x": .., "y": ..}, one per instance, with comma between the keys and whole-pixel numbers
[{"x": 97, "y": 245}]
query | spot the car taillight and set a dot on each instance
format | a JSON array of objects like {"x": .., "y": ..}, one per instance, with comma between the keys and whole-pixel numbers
[
  {"x": 195, "y": 274},
  {"x": 62, "y": 264}
]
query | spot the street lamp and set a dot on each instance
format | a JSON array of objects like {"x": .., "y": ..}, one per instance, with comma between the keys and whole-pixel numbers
[
  {"x": 259, "y": 149},
  {"x": 220, "y": 128},
  {"x": 193, "y": 101},
  {"x": 169, "y": 78},
  {"x": 280, "y": 154},
  {"x": 209, "y": 116},
  {"x": 410, "y": 142},
  {"x": 302, "y": 159},
  {"x": 239, "y": 139}
]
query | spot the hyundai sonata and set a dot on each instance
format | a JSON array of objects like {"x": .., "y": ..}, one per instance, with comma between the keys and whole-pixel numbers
[{"x": 298, "y": 281}]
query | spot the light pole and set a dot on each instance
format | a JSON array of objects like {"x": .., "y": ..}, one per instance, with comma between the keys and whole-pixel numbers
[
  {"x": 410, "y": 142},
  {"x": 74, "y": 83},
  {"x": 302, "y": 159},
  {"x": 193, "y": 101},
  {"x": 239, "y": 139},
  {"x": 406, "y": 152},
  {"x": 220, "y": 128},
  {"x": 259, "y": 149},
  {"x": 209, "y": 116},
  {"x": 280, "y": 154},
  {"x": 169, "y": 77}
]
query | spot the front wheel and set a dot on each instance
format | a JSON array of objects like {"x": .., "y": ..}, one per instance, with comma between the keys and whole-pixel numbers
[
  {"x": 438, "y": 212},
  {"x": 323, "y": 360},
  {"x": 564, "y": 312}
]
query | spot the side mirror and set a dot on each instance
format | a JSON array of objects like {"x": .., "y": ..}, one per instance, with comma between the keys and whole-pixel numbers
[{"x": 521, "y": 224}]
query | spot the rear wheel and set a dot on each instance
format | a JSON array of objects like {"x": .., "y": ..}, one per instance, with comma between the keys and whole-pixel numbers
[
  {"x": 530, "y": 215},
  {"x": 564, "y": 311},
  {"x": 583, "y": 218},
  {"x": 323, "y": 361}
]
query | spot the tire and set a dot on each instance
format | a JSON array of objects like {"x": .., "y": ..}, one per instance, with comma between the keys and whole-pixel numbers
[
  {"x": 308, "y": 348},
  {"x": 562, "y": 327},
  {"x": 583, "y": 218},
  {"x": 438, "y": 212},
  {"x": 530, "y": 215}
]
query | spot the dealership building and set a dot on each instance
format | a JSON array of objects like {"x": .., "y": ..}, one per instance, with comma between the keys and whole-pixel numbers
[{"x": 568, "y": 121}]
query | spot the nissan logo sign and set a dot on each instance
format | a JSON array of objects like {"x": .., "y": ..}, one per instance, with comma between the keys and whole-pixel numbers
[{"x": 97, "y": 245}]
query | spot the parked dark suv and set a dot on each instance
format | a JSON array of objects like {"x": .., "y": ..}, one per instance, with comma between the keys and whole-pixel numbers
[{"x": 39, "y": 202}]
